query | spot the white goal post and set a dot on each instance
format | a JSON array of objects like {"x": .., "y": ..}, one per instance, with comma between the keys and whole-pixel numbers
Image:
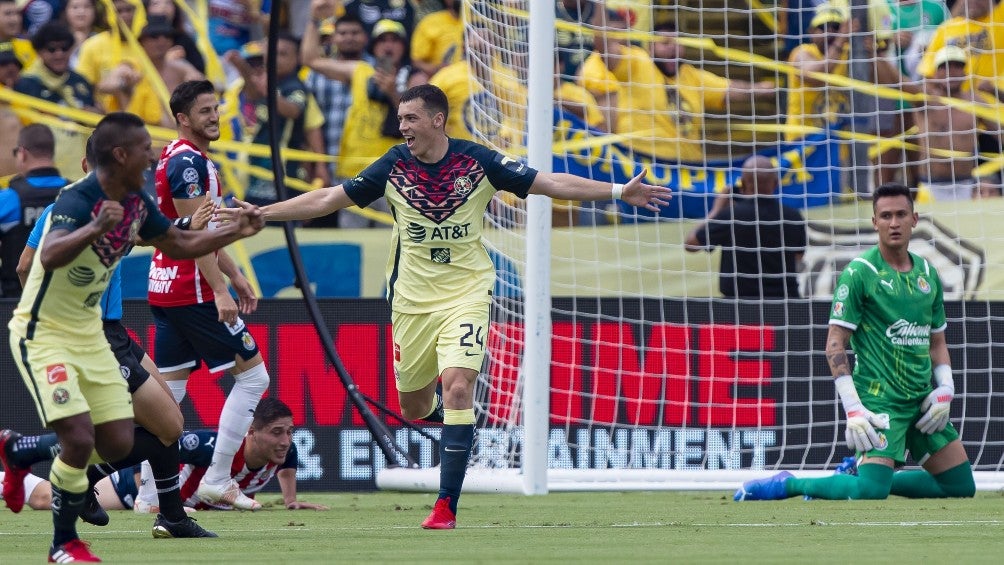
[{"x": 614, "y": 362}]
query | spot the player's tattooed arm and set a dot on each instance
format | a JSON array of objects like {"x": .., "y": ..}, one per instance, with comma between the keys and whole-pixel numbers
[{"x": 836, "y": 350}]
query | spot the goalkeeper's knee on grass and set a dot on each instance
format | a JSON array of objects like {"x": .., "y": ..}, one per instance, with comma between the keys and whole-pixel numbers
[
  {"x": 958, "y": 482},
  {"x": 873, "y": 482}
]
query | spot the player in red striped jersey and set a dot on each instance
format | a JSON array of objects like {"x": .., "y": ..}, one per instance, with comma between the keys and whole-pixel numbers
[{"x": 267, "y": 451}]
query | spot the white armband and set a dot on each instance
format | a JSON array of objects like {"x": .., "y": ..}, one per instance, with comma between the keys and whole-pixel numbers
[{"x": 616, "y": 190}]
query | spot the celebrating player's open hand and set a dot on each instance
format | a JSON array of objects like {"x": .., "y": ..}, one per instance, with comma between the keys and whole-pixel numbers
[
  {"x": 109, "y": 215},
  {"x": 650, "y": 197}
]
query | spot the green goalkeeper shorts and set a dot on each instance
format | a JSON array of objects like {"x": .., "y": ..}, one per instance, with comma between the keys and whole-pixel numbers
[{"x": 902, "y": 436}]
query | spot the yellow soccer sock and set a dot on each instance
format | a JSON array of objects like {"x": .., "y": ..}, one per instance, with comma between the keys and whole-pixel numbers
[{"x": 69, "y": 491}]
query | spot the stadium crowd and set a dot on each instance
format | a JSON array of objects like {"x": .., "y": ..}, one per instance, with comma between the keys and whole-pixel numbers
[
  {"x": 343, "y": 68},
  {"x": 342, "y": 65}
]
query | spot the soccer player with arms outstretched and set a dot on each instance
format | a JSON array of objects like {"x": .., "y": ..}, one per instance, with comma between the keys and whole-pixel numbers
[
  {"x": 889, "y": 306},
  {"x": 196, "y": 318},
  {"x": 56, "y": 333},
  {"x": 440, "y": 276}
]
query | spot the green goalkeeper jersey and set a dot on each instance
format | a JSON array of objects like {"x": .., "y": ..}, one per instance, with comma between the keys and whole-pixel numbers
[{"x": 892, "y": 316}]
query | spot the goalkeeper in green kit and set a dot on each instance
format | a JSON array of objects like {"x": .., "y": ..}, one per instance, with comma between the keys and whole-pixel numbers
[{"x": 889, "y": 306}]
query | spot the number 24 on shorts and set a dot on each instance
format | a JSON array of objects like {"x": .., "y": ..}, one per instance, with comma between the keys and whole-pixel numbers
[{"x": 478, "y": 339}]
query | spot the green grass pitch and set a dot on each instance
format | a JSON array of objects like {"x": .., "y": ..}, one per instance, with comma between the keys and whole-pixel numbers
[{"x": 637, "y": 527}]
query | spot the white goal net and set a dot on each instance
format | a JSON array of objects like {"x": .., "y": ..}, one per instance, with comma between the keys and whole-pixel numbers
[{"x": 650, "y": 377}]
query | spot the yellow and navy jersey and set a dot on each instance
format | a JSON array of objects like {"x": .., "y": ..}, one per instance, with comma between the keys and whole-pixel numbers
[
  {"x": 438, "y": 260},
  {"x": 64, "y": 305}
]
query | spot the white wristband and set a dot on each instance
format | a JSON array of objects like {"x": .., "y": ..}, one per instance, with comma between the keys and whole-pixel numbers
[
  {"x": 943, "y": 376},
  {"x": 847, "y": 393},
  {"x": 616, "y": 190}
]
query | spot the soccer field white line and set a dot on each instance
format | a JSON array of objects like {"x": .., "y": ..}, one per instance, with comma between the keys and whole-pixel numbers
[{"x": 813, "y": 523}]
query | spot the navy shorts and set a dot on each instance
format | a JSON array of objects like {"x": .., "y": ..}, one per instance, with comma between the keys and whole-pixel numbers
[
  {"x": 129, "y": 354},
  {"x": 124, "y": 482},
  {"x": 189, "y": 335}
]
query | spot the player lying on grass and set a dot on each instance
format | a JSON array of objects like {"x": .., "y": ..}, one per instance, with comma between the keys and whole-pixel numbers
[
  {"x": 889, "y": 305},
  {"x": 267, "y": 451}
]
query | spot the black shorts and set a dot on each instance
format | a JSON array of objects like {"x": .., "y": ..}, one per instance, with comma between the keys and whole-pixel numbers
[
  {"x": 128, "y": 353},
  {"x": 189, "y": 335}
]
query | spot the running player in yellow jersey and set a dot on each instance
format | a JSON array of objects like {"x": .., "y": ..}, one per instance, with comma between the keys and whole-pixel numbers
[
  {"x": 440, "y": 277},
  {"x": 56, "y": 332}
]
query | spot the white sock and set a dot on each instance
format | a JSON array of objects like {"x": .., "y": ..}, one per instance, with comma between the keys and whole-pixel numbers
[
  {"x": 235, "y": 419},
  {"x": 147, "y": 486},
  {"x": 178, "y": 389}
]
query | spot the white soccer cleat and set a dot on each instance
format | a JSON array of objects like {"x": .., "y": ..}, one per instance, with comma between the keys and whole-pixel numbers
[{"x": 226, "y": 493}]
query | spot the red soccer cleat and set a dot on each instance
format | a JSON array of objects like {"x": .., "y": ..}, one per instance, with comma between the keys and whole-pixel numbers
[
  {"x": 442, "y": 518},
  {"x": 73, "y": 551},
  {"x": 13, "y": 478}
]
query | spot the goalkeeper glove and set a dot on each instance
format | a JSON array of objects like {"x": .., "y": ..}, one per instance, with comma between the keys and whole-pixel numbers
[
  {"x": 862, "y": 424},
  {"x": 938, "y": 404}
]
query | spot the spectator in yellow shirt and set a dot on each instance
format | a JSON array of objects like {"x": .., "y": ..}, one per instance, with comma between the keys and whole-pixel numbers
[
  {"x": 495, "y": 115},
  {"x": 157, "y": 39},
  {"x": 10, "y": 65},
  {"x": 812, "y": 102},
  {"x": 11, "y": 28},
  {"x": 980, "y": 31},
  {"x": 438, "y": 40},
  {"x": 109, "y": 62},
  {"x": 655, "y": 99}
]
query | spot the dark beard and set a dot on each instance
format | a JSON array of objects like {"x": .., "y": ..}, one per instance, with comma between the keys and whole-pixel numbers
[{"x": 667, "y": 70}]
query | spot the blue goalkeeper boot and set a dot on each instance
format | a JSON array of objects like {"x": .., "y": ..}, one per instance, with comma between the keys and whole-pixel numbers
[
  {"x": 771, "y": 488},
  {"x": 849, "y": 466}
]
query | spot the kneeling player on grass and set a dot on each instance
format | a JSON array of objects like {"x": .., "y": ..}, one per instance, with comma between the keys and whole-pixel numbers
[{"x": 889, "y": 305}]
